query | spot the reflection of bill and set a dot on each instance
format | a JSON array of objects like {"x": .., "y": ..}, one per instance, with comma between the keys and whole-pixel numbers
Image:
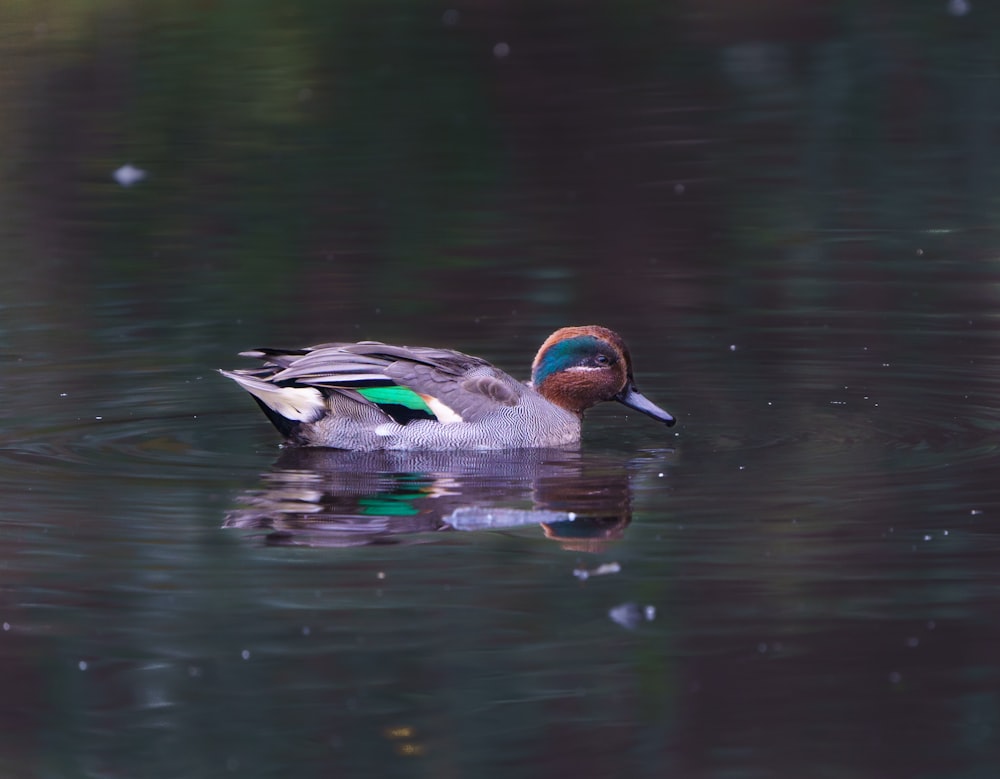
[
  {"x": 323, "y": 497},
  {"x": 480, "y": 518}
]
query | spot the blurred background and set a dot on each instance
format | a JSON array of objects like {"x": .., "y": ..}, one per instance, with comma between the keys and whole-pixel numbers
[{"x": 787, "y": 208}]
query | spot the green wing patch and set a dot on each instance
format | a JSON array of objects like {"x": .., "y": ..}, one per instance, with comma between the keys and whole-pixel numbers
[{"x": 397, "y": 396}]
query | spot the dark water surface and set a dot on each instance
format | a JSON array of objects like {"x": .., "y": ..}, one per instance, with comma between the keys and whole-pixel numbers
[{"x": 789, "y": 214}]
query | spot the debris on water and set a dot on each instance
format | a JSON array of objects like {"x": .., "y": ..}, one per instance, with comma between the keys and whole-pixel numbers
[
  {"x": 602, "y": 570},
  {"x": 128, "y": 174},
  {"x": 959, "y": 7},
  {"x": 631, "y": 615}
]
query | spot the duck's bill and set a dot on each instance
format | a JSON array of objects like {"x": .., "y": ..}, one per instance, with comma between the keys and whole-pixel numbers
[{"x": 632, "y": 398}]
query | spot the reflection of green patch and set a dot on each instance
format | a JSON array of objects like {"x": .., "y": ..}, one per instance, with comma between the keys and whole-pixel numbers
[
  {"x": 400, "y": 396},
  {"x": 389, "y": 505}
]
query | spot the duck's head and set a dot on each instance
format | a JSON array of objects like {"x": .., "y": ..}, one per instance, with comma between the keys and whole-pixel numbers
[{"x": 579, "y": 367}]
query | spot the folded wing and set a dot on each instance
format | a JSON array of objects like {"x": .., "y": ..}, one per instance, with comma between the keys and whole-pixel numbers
[{"x": 406, "y": 383}]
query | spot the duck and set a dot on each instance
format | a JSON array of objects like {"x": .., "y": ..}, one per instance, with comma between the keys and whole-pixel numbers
[{"x": 370, "y": 396}]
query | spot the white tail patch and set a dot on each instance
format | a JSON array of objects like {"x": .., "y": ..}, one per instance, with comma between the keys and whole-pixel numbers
[
  {"x": 445, "y": 414},
  {"x": 300, "y": 404}
]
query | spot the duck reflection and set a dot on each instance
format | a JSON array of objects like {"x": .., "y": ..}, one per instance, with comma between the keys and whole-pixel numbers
[{"x": 326, "y": 497}]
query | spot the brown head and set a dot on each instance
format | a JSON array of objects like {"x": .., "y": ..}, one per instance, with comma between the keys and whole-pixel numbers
[{"x": 579, "y": 367}]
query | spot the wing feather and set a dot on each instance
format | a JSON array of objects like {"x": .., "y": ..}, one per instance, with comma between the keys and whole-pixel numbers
[{"x": 456, "y": 386}]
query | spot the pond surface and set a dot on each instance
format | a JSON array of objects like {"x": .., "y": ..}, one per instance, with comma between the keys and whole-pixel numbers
[{"x": 795, "y": 231}]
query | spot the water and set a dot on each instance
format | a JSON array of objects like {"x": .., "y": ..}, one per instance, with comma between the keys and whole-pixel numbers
[{"x": 799, "y": 579}]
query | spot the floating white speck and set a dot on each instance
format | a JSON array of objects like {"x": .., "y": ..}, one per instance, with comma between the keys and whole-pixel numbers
[
  {"x": 6, "y": 626},
  {"x": 976, "y": 512},
  {"x": 659, "y": 475},
  {"x": 245, "y": 654},
  {"x": 501, "y": 50},
  {"x": 82, "y": 665},
  {"x": 630, "y": 615},
  {"x": 129, "y": 174},
  {"x": 732, "y": 347},
  {"x": 602, "y": 570},
  {"x": 927, "y": 537},
  {"x": 627, "y": 615},
  {"x": 959, "y": 7}
]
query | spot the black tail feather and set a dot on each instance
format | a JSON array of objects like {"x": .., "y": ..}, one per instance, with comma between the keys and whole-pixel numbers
[{"x": 287, "y": 427}]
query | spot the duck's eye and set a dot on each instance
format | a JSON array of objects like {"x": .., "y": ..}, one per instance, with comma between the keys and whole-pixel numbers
[{"x": 602, "y": 359}]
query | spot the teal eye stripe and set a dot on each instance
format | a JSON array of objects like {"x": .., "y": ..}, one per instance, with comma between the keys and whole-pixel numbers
[
  {"x": 400, "y": 396},
  {"x": 565, "y": 354}
]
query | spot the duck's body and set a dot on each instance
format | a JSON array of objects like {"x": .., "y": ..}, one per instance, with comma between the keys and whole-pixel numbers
[{"x": 370, "y": 395}]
